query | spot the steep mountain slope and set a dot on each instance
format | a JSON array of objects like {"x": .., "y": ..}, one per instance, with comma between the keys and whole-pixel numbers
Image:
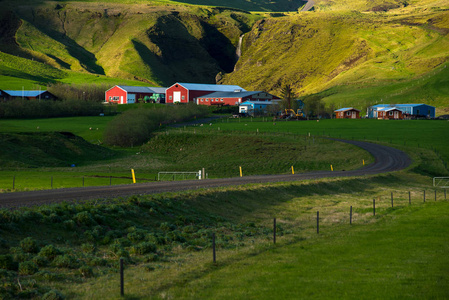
[
  {"x": 320, "y": 50},
  {"x": 156, "y": 44}
]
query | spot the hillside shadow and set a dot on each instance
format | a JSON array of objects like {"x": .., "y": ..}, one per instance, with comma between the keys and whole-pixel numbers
[{"x": 86, "y": 59}]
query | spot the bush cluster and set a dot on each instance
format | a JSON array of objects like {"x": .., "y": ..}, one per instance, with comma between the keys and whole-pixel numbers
[{"x": 134, "y": 127}]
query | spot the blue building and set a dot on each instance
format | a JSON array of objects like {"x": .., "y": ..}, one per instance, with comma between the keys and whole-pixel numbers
[
  {"x": 408, "y": 110},
  {"x": 256, "y": 107}
]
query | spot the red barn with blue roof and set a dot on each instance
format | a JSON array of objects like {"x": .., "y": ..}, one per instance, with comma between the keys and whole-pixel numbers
[{"x": 189, "y": 92}]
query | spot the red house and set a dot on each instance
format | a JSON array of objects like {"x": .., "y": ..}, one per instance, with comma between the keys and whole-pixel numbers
[
  {"x": 123, "y": 94},
  {"x": 189, "y": 92},
  {"x": 392, "y": 113},
  {"x": 233, "y": 98},
  {"x": 347, "y": 113}
]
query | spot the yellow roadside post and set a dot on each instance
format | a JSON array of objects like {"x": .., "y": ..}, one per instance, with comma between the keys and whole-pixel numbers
[
  {"x": 332, "y": 168},
  {"x": 293, "y": 171},
  {"x": 241, "y": 175},
  {"x": 134, "y": 176}
]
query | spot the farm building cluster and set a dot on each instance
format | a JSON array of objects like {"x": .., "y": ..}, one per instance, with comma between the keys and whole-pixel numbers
[
  {"x": 389, "y": 112},
  {"x": 248, "y": 102},
  {"x": 201, "y": 94}
]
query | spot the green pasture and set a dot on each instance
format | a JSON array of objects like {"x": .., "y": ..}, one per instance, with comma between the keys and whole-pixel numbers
[
  {"x": 259, "y": 146},
  {"x": 430, "y": 134}
]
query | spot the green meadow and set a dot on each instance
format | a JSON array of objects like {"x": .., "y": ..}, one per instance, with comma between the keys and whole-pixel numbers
[{"x": 72, "y": 250}]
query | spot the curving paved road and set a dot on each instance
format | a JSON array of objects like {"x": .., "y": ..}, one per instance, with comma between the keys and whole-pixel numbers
[{"x": 387, "y": 159}]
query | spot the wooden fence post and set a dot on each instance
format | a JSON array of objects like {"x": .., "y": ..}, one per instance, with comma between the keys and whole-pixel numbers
[
  {"x": 374, "y": 206},
  {"x": 350, "y": 216},
  {"x": 274, "y": 231},
  {"x": 122, "y": 281},
  {"x": 213, "y": 248}
]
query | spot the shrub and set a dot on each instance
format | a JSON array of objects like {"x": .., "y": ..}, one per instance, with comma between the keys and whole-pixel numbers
[
  {"x": 96, "y": 261},
  {"x": 143, "y": 248},
  {"x": 53, "y": 295},
  {"x": 137, "y": 235},
  {"x": 49, "y": 251},
  {"x": 65, "y": 261},
  {"x": 135, "y": 126},
  {"x": 86, "y": 271},
  {"x": 7, "y": 262},
  {"x": 84, "y": 218},
  {"x": 167, "y": 227},
  {"x": 69, "y": 224},
  {"x": 54, "y": 218},
  {"x": 88, "y": 248},
  {"x": 152, "y": 257},
  {"x": 29, "y": 245},
  {"x": 28, "y": 268},
  {"x": 40, "y": 261}
]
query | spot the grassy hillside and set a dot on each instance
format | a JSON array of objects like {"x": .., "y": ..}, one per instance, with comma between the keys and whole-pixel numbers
[
  {"x": 347, "y": 53},
  {"x": 156, "y": 44},
  {"x": 360, "y": 56}
]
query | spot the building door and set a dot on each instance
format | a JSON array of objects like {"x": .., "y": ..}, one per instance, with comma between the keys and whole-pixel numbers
[
  {"x": 121, "y": 99},
  {"x": 176, "y": 97},
  {"x": 354, "y": 115},
  {"x": 131, "y": 98},
  {"x": 396, "y": 115}
]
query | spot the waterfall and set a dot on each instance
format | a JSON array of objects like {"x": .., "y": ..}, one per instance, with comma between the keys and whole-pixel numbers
[{"x": 238, "y": 51}]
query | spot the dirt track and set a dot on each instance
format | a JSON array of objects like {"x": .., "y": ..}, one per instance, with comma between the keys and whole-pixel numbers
[{"x": 386, "y": 160}]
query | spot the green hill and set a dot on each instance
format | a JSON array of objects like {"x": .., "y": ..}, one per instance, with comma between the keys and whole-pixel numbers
[
  {"x": 157, "y": 44},
  {"x": 345, "y": 53},
  {"x": 371, "y": 56}
]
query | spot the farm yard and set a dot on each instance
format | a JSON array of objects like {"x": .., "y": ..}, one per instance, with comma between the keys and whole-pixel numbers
[{"x": 321, "y": 139}]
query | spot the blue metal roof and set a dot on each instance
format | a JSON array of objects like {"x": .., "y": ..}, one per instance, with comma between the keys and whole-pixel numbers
[
  {"x": 229, "y": 94},
  {"x": 346, "y": 108},
  {"x": 142, "y": 89},
  {"x": 400, "y": 105},
  {"x": 387, "y": 108},
  {"x": 211, "y": 87},
  {"x": 249, "y": 103},
  {"x": 24, "y": 93}
]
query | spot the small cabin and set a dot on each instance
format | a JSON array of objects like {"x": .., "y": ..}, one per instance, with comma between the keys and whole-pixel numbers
[{"x": 347, "y": 113}]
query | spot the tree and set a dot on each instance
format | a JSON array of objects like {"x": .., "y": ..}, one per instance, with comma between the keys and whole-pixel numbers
[{"x": 288, "y": 96}]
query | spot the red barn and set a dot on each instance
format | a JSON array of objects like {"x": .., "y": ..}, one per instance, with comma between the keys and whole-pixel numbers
[
  {"x": 347, "y": 113},
  {"x": 123, "y": 94},
  {"x": 233, "y": 98},
  {"x": 189, "y": 92}
]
